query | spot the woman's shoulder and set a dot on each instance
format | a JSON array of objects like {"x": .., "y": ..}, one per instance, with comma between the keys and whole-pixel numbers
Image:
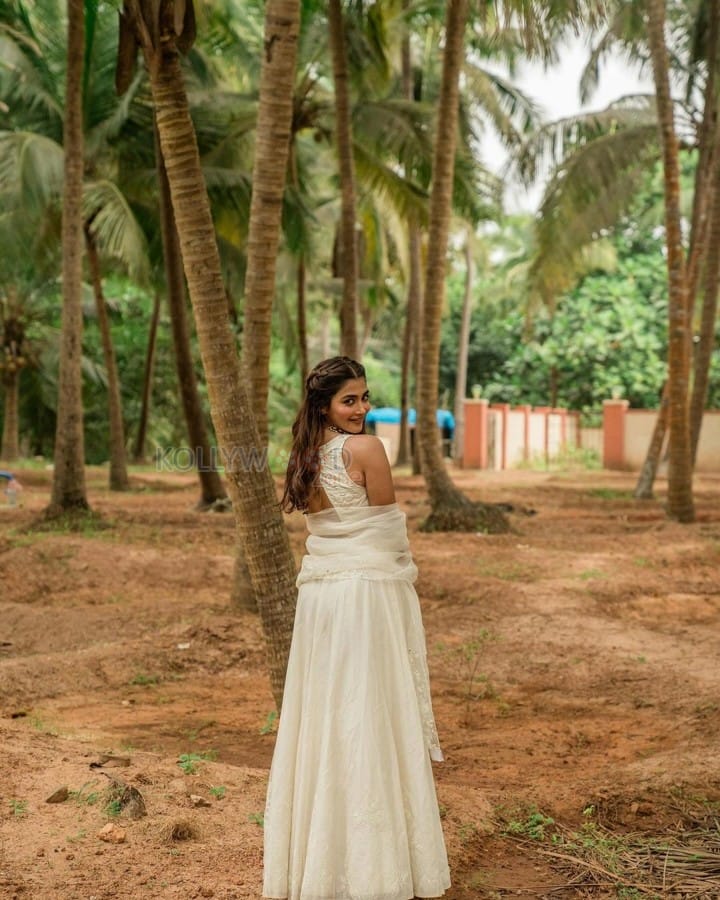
[{"x": 366, "y": 447}]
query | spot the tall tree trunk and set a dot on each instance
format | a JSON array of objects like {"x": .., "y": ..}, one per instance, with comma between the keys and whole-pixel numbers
[
  {"x": 348, "y": 244},
  {"x": 409, "y": 354},
  {"x": 451, "y": 510},
  {"x": 680, "y": 497},
  {"x": 68, "y": 488},
  {"x": 11, "y": 429},
  {"x": 272, "y": 145},
  {"x": 413, "y": 292},
  {"x": 259, "y": 520},
  {"x": 706, "y": 344},
  {"x": 708, "y": 140},
  {"x": 210, "y": 483},
  {"x": 302, "y": 321},
  {"x": 463, "y": 351},
  {"x": 118, "y": 458},
  {"x": 139, "y": 449}
]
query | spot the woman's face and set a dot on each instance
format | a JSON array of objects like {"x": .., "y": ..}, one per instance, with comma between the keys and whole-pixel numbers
[{"x": 349, "y": 406}]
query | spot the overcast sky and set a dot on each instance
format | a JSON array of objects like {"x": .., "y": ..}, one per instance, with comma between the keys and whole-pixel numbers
[{"x": 556, "y": 91}]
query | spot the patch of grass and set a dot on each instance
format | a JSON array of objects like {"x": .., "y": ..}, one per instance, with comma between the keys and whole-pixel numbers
[
  {"x": 141, "y": 679},
  {"x": 257, "y": 818},
  {"x": 610, "y": 494},
  {"x": 509, "y": 571},
  {"x": 113, "y": 808},
  {"x": 594, "y": 574},
  {"x": 218, "y": 791},
  {"x": 189, "y": 762},
  {"x": 194, "y": 733},
  {"x": 534, "y": 825},
  {"x": 270, "y": 723},
  {"x": 18, "y": 807},
  {"x": 85, "y": 794},
  {"x": 467, "y": 831},
  {"x": 74, "y": 838}
]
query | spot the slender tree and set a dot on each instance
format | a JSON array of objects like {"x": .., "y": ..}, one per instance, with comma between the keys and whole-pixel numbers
[
  {"x": 450, "y": 509},
  {"x": 680, "y": 497},
  {"x": 211, "y": 485},
  {"x": 272, "y": 145},
  {"x": 348, "y": 246},
  {"x": 463, "y": 349},
  {"x": 162, "y": 31},
  {"x": 68, "y": 487},
  {"x": 118, "y": 458},
  {"x": 139, "y": 448}
]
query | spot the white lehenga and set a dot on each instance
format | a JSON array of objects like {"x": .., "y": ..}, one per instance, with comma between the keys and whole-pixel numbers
[{"x": 351, "y": 811}]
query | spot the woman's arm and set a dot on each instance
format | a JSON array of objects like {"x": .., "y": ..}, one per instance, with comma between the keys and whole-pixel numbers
[{"x": 367, "y": 463}]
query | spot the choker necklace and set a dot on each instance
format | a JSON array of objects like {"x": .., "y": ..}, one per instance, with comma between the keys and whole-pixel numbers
[{"x": 338, "y": 430}]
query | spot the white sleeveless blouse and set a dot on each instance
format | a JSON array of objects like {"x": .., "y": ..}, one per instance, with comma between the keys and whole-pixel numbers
[{"x": 341, "y": 490}]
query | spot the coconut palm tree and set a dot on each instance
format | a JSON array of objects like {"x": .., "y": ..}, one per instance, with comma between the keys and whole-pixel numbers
[
  {"x": 162, "y": 32},
  {"x": 272, "y": 145},
  {"x": 68, "y": 487}
]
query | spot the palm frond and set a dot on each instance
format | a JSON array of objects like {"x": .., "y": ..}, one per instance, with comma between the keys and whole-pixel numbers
[
  {"x": 586, "y": 197},
  {"x": 115, "y": 227},
  {"x": 31, "y": 169}
]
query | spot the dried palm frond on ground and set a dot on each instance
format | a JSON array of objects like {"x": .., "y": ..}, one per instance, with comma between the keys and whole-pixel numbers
[{"x": 688, "y": 866}]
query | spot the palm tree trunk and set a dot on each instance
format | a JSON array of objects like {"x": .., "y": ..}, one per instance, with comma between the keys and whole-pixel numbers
[
  {"x": 706, "y": 344},
  {"x": 450, "y": 509},
  {"x": 139, "y": 450},
  {"x": 463, "y": 350},
  {"x": 709, "y": 137},
  {"x": 413, "y": 294},
  {"x": 348, "y": 245},
  {"x": 259, "y": 521},
  {"x": 272, "y": 145},
  {"x": 210, "y": 483},
  {"x": 118, "y": 461},
  {"x": 68, "y": 488},
  {"x": 409, "y": 341},
  {"x": 11, "y": 429},
  {"x": 648, "y": 472},
  {"x": 302, "y": 321},
  {"x": 680, "y": 497}
]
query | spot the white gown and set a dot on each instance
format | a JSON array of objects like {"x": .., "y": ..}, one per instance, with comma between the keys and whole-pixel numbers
[{"x": 351, "y": 810}]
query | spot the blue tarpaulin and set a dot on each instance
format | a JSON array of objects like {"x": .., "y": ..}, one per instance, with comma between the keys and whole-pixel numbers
[{"x": 390, "y": 415}]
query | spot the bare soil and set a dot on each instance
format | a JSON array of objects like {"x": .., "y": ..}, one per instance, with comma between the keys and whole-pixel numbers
[{"x": 574, "y": 665}]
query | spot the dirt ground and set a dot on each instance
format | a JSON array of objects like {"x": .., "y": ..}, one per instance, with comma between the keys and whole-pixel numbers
[{"x": 575, "y": 674}]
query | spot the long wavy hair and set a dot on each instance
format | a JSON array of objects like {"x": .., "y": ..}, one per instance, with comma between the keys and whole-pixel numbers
[{"x": 321, "y": 385}]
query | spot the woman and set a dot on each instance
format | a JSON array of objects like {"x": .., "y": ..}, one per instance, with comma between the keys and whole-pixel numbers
[{"x": 351, "y": 811}]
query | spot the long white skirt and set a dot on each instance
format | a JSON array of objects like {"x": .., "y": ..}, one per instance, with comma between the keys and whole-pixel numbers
[{"x": 351, "y": 811}]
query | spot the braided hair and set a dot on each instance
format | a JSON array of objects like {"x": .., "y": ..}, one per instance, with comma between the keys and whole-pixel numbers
[{"x": 321, "y": 385}]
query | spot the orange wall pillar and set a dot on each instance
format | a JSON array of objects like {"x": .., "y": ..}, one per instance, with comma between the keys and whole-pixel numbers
[
  {"x": 614, "y": 433},
  {"x": 476, "y": 434}
]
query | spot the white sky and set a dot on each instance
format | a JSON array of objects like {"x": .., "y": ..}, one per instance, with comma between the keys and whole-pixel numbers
[{"x": 556, "y": 91}]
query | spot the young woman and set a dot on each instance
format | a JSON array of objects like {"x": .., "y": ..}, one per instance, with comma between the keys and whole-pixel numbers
[{"x": 351, "y": 811}]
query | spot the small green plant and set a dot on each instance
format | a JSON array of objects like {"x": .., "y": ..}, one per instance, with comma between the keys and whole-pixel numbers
[
  {"x": 533, "y": 826},
  {"x": 588, "y": 574},
  {"x": 610, "y": 494},
  {"x": 113, "y": 808},
  {"x": 467, "y": 832},
  {"x": 257, "y": 818},
  {"x": 85, "y": 795},
  {"x": 189, "y": 762},
  {"x": 270, "y": 723},
  {"x": 144, "y": 680},
  {"x": 219, "y": 791},
  {"x": 74, "y": 838},
  {"x": 18, "y": 807}
]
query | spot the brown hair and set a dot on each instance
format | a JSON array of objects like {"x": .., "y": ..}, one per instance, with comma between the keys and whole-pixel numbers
[{"x": 321, "y": 385}]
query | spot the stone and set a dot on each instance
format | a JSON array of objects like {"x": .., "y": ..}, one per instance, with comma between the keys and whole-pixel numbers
[
  {"x": 59, "y": 796},
  {"x": 112, "y": 834}
]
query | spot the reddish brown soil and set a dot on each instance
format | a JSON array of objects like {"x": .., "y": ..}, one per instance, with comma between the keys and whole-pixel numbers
[{"x": 593, "y": 630}]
